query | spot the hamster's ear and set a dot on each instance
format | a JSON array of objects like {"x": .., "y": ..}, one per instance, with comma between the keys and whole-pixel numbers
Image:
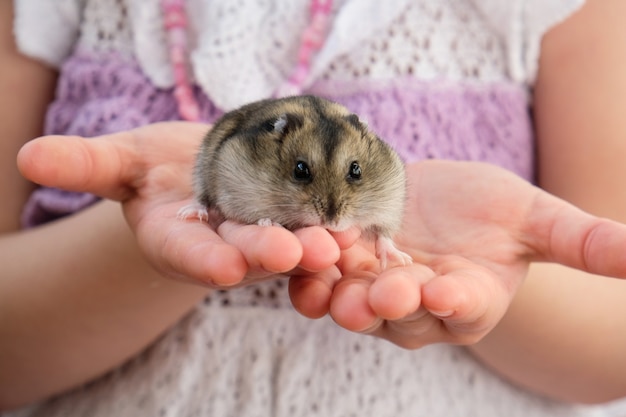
[
  {"x": 354, "y": 120},
  {"x": 286, "y": 123}
]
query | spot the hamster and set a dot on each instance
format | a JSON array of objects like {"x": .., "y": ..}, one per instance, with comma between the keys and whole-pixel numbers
[{"x": 301, "y": 161}]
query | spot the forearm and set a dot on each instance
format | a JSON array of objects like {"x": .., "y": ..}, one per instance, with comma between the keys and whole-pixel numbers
[
  {"x": 67, "y": 290},
  {"x": 26, "y": 89},
  {"x": 563, "y": 336}
]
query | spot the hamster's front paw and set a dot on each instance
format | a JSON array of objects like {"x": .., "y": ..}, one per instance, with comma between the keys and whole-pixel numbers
[
  {"x": 389, "y": 255},
  {"x": 193, "y": 211},
  {"x": 268, "y": 222}
]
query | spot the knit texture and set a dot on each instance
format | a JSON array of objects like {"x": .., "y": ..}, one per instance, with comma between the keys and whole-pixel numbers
[
  {"x": 244, "y": 53},
  {"x": 240, "y": 362}
]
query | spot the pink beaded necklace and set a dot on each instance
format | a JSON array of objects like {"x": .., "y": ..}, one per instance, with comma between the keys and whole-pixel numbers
[{"x": 175, "y": 21}]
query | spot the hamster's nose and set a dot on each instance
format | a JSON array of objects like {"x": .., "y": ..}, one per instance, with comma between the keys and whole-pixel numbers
[{"x": 332, "y": 211}]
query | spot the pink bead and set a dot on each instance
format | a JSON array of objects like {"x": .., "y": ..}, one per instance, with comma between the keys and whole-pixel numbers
[
  {"x": 177, "y": 56},
  {"x": 305, "y": 55},
  {"x": 320, "y": 22},
  {"x": 182, "y": 92},
  {"x": 312, "y": 38},
  {"x": 321, "y": 6},
  {"x": 299, "y": 75},
  {"x": 180, "y": 74},
  {"x": 177, "y": 37},
  {"x": 189, "y": 111},
  {"x": 175, "y": 18}
]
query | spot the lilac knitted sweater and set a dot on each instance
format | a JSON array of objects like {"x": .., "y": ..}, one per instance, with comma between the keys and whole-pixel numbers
[{"x": 440, "y": 119}]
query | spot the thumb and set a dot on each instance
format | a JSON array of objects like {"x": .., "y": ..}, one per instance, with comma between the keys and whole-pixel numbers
[
  {"x": 560, "y": 232},
  {"x": 106, "y": 167}
]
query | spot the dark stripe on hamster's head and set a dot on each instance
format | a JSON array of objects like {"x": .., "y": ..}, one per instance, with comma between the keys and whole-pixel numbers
[
  {"x": 329, "y": 133},
  {"x": 326, "y": 128}
]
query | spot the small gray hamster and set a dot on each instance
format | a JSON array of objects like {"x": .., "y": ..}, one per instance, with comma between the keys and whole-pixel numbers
[{"x": 301, "y": 161}]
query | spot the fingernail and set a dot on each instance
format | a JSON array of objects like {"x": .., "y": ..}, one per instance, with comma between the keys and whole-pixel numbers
[{"x": 442, "y": 314}]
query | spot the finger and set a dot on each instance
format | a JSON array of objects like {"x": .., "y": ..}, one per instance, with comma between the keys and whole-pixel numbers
[
  {"x": 112, "y": 166},
  {"x": 469, "y": 299},
  {"x": 190, "y": 250},
  {"x": 102, "y": 167},
  {"x": 358, "y": 257},
  {"x": 395, "y": 296},
  {"x": 453, "y": 310},
  {"x": 266, "y": 249},
  {"x": 320, "y": 250},
  {"x": 349, "y": 303},
  {"x": 311, "y": 294},
  {"x": 347, "y": 238},
  {"x": 396, "y": 293},
  {"x": 560, "y": 232}
]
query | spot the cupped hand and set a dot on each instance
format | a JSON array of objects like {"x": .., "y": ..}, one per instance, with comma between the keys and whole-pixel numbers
[
  {"x": 149, "y": 170},
  {"x": 472, "y": 229}
]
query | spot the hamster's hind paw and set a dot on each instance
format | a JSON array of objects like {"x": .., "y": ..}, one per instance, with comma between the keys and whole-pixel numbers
[
  {"x": 389, "y": 255},
  {"x": 193, "y": 211}
]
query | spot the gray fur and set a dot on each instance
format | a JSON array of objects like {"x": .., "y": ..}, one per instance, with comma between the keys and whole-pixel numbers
[{"x": 245, "y": 169}]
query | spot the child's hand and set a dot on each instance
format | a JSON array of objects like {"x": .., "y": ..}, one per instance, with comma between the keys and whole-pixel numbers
[
  {"x": 472, "y": 230},
  {"x": 149, "y": 171}
]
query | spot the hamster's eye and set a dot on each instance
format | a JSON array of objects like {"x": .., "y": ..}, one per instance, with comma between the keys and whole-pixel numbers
[
  {"x": 354, "y": 174},
  {"x": 302, "y": 172}
]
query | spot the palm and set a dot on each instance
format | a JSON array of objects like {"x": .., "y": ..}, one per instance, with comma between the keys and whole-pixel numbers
[
  {"x": 495, "y": 219},
  {"x": 472, "y": 229},
  {"x": 149, "y": 170},
  {"x": 161, "y": 185},
  {"x": 472, "y": 210}
]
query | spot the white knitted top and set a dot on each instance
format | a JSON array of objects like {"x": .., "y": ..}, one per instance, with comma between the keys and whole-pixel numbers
[{"x": 252, "y": 44}]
